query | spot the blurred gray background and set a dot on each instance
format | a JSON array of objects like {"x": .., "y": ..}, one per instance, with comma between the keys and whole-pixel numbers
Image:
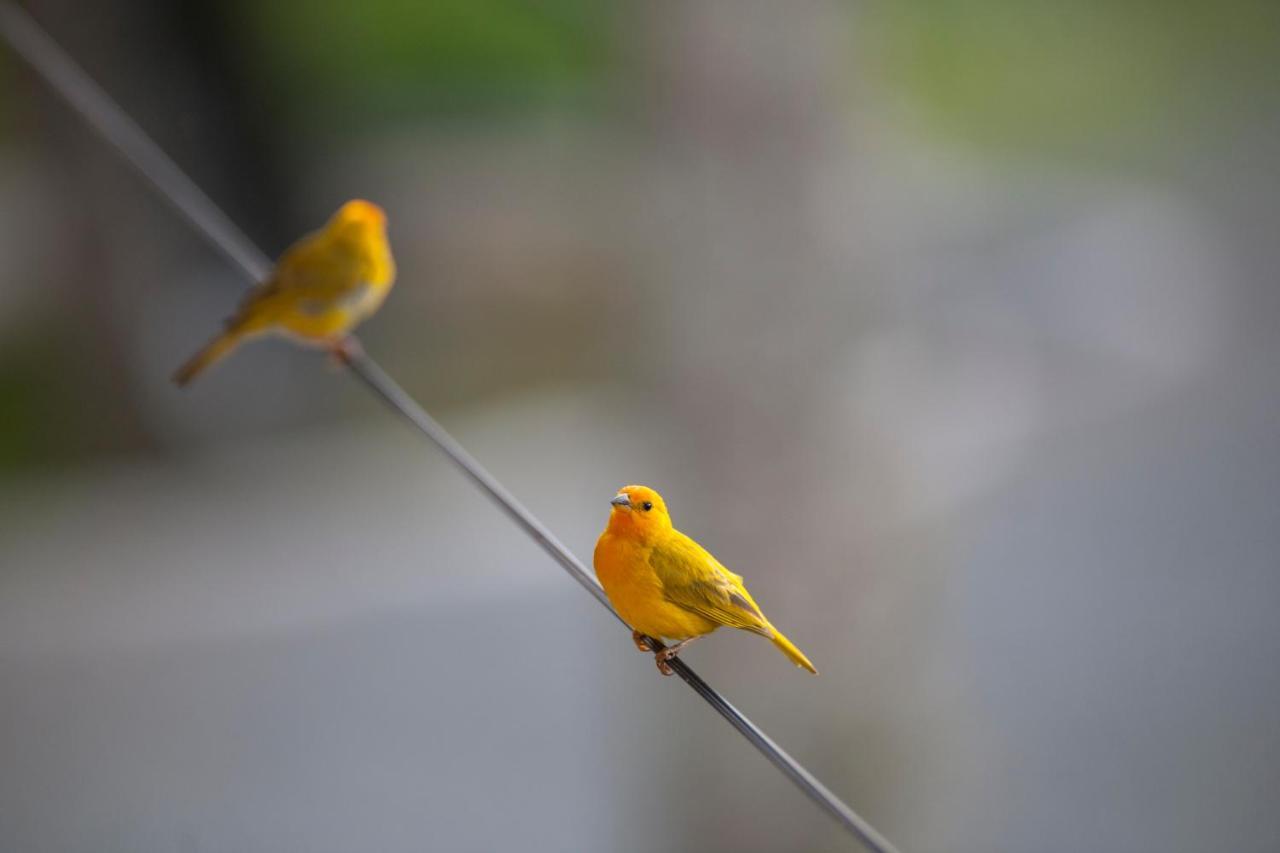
[{"x": 951, "y": 326}]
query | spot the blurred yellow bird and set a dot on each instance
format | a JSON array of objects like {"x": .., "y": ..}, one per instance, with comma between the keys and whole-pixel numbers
[
  {"x": 323, "y": 287},
  {"x": 666, "y": 586}
]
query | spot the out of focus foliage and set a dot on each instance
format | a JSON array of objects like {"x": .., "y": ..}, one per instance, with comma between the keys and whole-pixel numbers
[
  {"x": 349, "y": 62},
  {"x": 6, "y": 85},
  {"x": 1072, "y": 77},
  {"x": 38, "y": 390}
]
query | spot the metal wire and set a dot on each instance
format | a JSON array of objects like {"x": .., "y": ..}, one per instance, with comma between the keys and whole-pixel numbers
[{"x": 110, "y": 121}]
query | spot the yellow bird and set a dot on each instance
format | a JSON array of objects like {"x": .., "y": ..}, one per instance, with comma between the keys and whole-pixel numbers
[
  {"x": 666, "y": 586},
  {"x": 323, "y": 287}
]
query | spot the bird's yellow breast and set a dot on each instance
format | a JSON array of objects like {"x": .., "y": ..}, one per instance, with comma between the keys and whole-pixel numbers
[{"x": 622, "y": 565}]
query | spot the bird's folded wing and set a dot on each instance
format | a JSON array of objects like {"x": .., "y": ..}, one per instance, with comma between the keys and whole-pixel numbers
[
  {"x": 314, "y": 269},
  {"x": 321, "y": 270},
  {"x": 693, "y": 579}
]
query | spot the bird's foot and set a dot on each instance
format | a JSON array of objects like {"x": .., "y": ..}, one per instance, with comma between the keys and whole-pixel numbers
[
  {"x": 664, "y": 656},
  {"x": 642, "y": 642},
  {"x": 345, "y": 350}
]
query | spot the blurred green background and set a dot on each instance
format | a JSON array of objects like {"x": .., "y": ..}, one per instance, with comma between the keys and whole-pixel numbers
[{"x": 949, "y": 325}]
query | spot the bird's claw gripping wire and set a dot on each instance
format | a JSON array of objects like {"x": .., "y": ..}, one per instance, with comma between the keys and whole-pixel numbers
[
  {"x": 662, "y": 655},
  {"x": 660, "y": 652},
  {"x": 345, "y": 350}
]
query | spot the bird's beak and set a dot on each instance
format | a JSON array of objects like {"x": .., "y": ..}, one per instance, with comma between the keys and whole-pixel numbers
[{"x": 621, "y": 499}]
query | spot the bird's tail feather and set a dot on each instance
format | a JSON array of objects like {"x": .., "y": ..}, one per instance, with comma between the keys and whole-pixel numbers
[
  {"x": 216, "y": 350},
  {"x": 788, "y": 648}
]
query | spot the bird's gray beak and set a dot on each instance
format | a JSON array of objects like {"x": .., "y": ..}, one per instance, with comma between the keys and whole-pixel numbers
[{"x": 621, "y": 499}]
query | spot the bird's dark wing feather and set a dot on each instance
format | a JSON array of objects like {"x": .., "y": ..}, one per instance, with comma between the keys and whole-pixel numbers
[{"x": 693, "y": 579}]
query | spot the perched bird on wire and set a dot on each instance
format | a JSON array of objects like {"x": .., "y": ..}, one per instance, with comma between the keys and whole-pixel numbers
[
  {"x": 322, "y": 288},
  {"x": 666, "y": 586}
]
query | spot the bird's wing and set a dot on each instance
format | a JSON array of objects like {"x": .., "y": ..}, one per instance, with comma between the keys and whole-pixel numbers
[
  {"x": 693, "y": 579},
  {"x": 313, "y": 270}
]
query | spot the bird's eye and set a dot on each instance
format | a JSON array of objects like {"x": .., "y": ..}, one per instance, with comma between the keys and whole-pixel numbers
[{"x": 648, "y": 505}]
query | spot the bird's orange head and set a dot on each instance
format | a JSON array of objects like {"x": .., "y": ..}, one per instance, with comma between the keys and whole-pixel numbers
[
  {"x": 639, "y": 512},
  {"x": 357, "y": 218},
  {"x": 359, "y": 210}
]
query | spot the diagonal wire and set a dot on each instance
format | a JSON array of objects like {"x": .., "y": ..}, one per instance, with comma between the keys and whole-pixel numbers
[{"x": 110, "y": 121}]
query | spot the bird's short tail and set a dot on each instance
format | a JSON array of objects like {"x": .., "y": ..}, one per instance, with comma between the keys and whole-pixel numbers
[
  {"x": 216, "y": 350},
  {"x": 788, "y": 648}
]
